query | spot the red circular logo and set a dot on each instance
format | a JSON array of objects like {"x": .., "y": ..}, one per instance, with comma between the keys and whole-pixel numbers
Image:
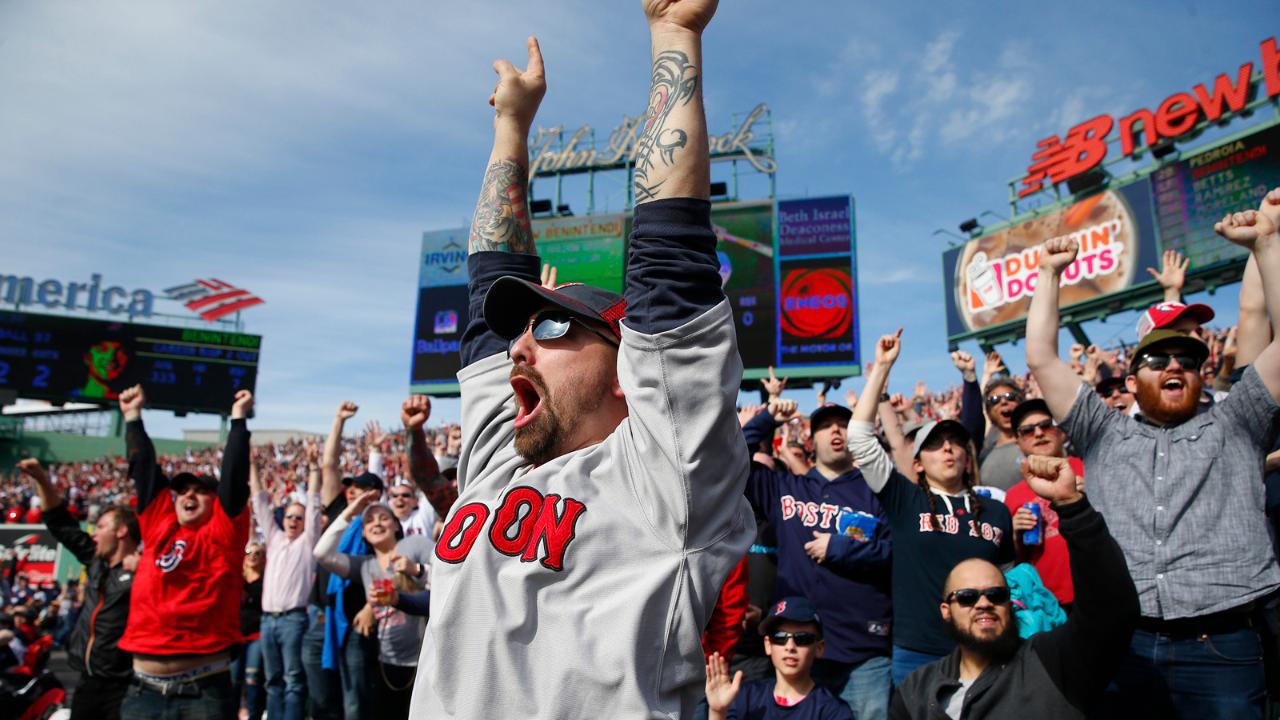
[{"x": 817, "y": 303}]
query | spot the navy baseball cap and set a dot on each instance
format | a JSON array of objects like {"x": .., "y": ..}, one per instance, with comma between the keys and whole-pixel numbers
[
  {"x": 1025, "y": 408},
  {"x": 512, "y": 300},
  {"x": 183, "y": 479},
  {"x": 827, "y": 413},
  {"x": 794, "y": 608},
  {"x": 366, "y": 480}
]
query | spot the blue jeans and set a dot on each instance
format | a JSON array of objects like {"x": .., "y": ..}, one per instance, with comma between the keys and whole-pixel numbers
[
  {"x": 865, "y": 686},
  {"x": 905, "y": 661},
  {"x": 1206, "y": 676},
  {"x": 359, "y": 654},
  {"x": 217, "y": 701},
  {"x": 323, "y": 686},
  {"x": 246, "y": 677},
  {"x": 282, "y": 660}
]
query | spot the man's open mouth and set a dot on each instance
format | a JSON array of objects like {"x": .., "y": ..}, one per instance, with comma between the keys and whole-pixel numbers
[{"x": 528, "y": 398}]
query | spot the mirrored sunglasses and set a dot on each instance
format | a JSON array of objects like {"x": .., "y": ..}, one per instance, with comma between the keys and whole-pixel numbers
[{"x": 555, "y": 324}]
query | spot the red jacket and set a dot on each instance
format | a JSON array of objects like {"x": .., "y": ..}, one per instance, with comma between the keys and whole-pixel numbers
[{"x": 725, "y": 626}]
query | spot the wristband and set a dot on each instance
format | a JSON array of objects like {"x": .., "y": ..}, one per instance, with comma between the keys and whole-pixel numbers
[{"x": 884, "y": 397}]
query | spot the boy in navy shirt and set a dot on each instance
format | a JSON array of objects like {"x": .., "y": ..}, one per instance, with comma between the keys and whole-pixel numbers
[{"x": 793, "y": 641}]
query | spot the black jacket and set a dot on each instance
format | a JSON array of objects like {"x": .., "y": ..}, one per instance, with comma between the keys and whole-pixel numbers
[
  {"x": 1057, "y": 674},
  {"x": 92, "y": 647}
]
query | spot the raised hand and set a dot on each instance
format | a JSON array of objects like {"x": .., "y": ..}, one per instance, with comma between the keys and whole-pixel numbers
[
  {"x": 991, "y": 365},
  {"x": 746, "y": 412},
  {"x": 887, "y": 349},
  {"x": 850, "y": 398},
  {"x": 132, "y": 401},
  {"x": 965, "y": 363},
  {"x": 782, "y": 410},
  {"x": 373, "y": 435},
  {"x": 347, "y": 410},
  {"x": 720, "y": 689},
  {"x": 1051, "y": 478},
  {"x": 773, "y": 385},
  {"x": 415, "y": 411},
  {"x": 242, "y": 406},
  {"x": 1173, "y": 270},
  {"x": 1246, "y": 228},
  {"x": 311, "y": 452},
  {"x": 516, "y": 98},
  {"x": 1270, "y": 207},
  {"x": 32, "y": 468},
  {"x": 1057, "y": 253},
  {"x": 364, "y": 500},
  {"x": 899, "y": 403},
  {"x": 692, "y": 15},
  {"x": 548, "y": 276}
]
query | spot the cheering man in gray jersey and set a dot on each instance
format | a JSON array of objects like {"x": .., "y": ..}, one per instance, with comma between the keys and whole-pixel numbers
[{"x": 600, "y": 485}]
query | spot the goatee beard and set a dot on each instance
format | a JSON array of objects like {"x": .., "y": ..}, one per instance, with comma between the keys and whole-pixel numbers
[
  {"x": 999, "y": 648},
  {"x": 537, "y": 441},
  {"x": 1153, "y": 405}
]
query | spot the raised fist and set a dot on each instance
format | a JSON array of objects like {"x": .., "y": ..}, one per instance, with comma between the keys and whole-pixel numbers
[
  {"x": 782, "y": 410},
  {"x": 1057, "y": 253},
  {"x": 131, "y": 402},
  {"x": 242, "y": 406},
  {"x": 690, "y": 15},
  {"x": 518, "y": 93},
  {"x": 347, "y": 410},
  {"x": 887, "y": 349},
  {"x": 1051, "y": 478},
  {"x": 31, "y": 468},
  {"x": 1245, "y": 228},
  {"x": 415, "y": 412},
  {"x": 964, "y": 362}
]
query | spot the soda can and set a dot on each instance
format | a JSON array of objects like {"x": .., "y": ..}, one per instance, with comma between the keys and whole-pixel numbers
[{"x": 1033, "y": 536}]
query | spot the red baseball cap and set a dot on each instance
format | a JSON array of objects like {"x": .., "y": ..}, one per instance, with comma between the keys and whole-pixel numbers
[{"x": 1158, "y": 316}]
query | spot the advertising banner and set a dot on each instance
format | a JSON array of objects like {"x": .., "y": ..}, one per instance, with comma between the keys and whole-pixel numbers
[
  {"x": 745, "y": 249},
  {"x": 589, "y": 250},
  {"x": 817, "y": 312},
  {"x": 36, "y": 550},
  {"x": 990, "y": 280},
  {"x": 1194, "y": 193},
  {"x": 815, "y": 226}
]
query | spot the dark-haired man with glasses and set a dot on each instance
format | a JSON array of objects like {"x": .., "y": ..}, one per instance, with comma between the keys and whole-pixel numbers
[
  {"x": 1000, "y": 456},
  {"x": 1038, "y": 434},
  {"x": 793, "y": 641},
  {"x": 1056, "y": 674}
]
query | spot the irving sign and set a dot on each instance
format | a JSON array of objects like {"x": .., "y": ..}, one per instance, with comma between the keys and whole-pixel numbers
[
  {"x": 1085, "y": 146},
  {"x": 569, "y": 156}
]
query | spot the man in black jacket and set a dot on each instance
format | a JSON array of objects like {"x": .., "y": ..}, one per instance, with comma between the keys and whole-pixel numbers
[
  {"x": 105, "y": 670},
  {"x": 1057, "y": 674}
]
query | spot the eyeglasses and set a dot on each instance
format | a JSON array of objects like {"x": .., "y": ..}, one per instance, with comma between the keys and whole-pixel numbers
[
  {"x": 1161, "y": 361},
  {"x": 803, "y": 638},
  {"x": 554, "y": 324},
  {"x": 293, "y": 517},
  {"x": 994, "y": 400},
  {"x": 968, "y": 597},
  {"x": 1030, "y": 428},
  {"x": 1114, "y": 391},
  {"x": 936, "y": 440}
]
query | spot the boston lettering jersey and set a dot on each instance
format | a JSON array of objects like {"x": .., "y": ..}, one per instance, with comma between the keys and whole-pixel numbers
[{"x": 580, "y": 588}]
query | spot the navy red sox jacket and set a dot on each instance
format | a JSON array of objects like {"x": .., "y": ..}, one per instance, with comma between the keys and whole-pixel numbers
[{"x": 850, "y": 589}]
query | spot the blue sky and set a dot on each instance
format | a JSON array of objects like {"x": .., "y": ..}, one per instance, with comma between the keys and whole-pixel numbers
[{"x": 300, "y": 149}]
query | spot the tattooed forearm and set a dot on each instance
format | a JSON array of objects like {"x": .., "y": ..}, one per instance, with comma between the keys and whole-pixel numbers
[
  {"x": 675, "y": 83},
  {"x": 501, "y": 221}
]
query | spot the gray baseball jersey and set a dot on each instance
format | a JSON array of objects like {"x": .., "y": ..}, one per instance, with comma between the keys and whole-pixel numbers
[{"x": 580, "y": 588}]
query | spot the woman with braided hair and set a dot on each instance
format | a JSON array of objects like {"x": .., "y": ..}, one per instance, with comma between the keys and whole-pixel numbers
[{"x": 937, "y": 520}]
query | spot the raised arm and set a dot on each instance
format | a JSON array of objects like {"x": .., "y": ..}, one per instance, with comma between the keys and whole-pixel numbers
[
  {"x": 326, "y": 550},
  {"x": 872, "y": 460},
  {"x": 330, "y": 465},
  {"x": 672, "y": 157},
  {"x": 1172, "y": 275},
  {"x": 501, "y": 222},
  {"x": 55, "y": 515},
  {"x": 1259, "y": 231},
  {"x": 423, "y": 467},
  {"x": 971, "y": 415},
  {"x": 233, "y": 487},
  {"x": 1058, "y": 382},
  {"x": 145, "y": 473},
  {"x": 1253, "y": 330},
  {"x": 260, "y": 501}
]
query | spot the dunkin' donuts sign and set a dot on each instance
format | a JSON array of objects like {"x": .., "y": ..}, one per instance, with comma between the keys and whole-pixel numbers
[{"x": 995, "y": 276}]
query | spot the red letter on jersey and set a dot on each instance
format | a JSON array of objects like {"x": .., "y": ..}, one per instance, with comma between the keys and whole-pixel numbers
[
  {"x": 455, "y": 552},
  {"x": 509, "y": 514},
  {"x": 557, "y": 532}
]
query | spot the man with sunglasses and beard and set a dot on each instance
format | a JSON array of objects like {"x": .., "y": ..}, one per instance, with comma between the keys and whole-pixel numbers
[
  {"x": 1183, "y": 493},
  {"x": 1000, "y": 456},
  {"x": 1061, "y": 673},
  {"x": 600, "y": 484}
]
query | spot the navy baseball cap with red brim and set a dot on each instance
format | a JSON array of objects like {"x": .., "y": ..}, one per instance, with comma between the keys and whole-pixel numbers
[{"x": 511, "y": 301}]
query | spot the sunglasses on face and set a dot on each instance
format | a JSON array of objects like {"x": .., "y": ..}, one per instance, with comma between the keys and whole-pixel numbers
[
  {"x": 803, "y": 638},
  {"x": 255, "y": 553},
  {"x": 968, "y": 597},
  {"x": 1114, "y": 391},
  {"x": 935, "y": 442},
  {"x": 555, "y": 324},
  {"x": 293, "y": 517},
  {"x": 995, "y": 400},
  {"x": 1160, "y": 362},
  {"x": 402, "y": 495},
  {"x": 1030, "y": 428}
]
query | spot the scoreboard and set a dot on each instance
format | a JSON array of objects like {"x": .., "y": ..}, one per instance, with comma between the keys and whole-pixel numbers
[{"x": 69, "y": 359}]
